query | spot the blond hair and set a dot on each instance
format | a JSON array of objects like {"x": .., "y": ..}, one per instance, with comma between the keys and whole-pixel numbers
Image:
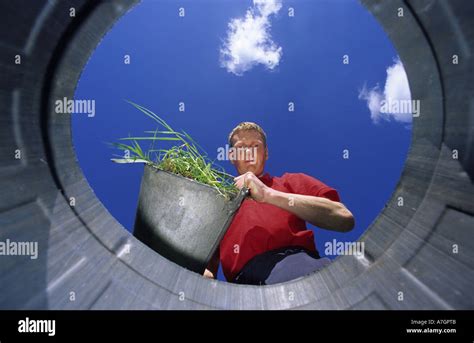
[{"x": 247, "y": 126}]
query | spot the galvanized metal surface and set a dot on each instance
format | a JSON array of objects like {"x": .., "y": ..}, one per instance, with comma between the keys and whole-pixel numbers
[
  {"x": 181, "y": 219},
  {"x": 84, "y": 251}
]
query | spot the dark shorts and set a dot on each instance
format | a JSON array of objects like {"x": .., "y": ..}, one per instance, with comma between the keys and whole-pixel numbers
[{"x": 280, "y": 265}]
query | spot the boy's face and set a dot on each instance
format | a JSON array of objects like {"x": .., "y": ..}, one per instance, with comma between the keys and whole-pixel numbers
[{"x": 250, "y": 152}]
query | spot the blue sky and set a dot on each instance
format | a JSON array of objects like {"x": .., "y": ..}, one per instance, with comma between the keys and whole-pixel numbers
[{"x": 177, "y": 59}]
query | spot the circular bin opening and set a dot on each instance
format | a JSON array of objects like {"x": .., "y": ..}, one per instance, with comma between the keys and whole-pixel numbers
[
  {"x": 335, "y": 109},
  {"x": 426, "y": 140}
]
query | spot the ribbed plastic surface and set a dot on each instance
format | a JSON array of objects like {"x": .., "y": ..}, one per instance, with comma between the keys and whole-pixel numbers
[{"x": 419, "y": 255}]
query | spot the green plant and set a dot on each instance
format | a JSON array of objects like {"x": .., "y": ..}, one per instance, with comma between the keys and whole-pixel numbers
[{"x": 187, "y": 159}]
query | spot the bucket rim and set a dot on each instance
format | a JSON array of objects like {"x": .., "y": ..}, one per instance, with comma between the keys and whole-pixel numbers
[{"x": 156, "y": 169}]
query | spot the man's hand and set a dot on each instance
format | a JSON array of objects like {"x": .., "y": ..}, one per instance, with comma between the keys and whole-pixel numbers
[
  {"x": 258, "y": 190},
  {"x": 211, "y": 271},
  {"x": 208, "y": 274}
]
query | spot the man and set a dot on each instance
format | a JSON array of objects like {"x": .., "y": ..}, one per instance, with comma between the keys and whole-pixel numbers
[{"x": 267, "y": 241}]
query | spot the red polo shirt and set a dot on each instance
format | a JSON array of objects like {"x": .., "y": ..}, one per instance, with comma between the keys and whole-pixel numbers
[{"x": 257, "y": 227}]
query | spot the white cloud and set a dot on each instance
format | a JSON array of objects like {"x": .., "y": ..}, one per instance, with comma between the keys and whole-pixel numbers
[
  {"x": 395, "y": 102},
  {"x": 249, "y": 41}
]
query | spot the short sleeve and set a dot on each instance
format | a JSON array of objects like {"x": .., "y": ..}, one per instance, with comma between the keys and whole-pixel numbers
[
  {"x": 329, "y": 193},
  {"x": 300, "y": 183}
]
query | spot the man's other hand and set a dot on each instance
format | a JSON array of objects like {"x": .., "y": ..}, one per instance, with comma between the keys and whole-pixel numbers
[
  {"x": 257, "y": 188},
  {"x": 208, "y": 274}
]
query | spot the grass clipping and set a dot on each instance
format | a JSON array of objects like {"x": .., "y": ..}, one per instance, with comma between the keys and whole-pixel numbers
[{"x": 186, "y": 158}]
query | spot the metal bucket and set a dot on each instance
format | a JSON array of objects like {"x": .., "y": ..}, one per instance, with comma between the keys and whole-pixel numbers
[{"x": 181, "y": 219}]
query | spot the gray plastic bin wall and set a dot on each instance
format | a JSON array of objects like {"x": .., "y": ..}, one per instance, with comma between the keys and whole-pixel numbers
[
  {"x": 181, "y": 219},
  {"x": 82, "y": 248}
]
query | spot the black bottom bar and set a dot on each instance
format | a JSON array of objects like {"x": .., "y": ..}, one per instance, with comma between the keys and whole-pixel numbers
[{"x": 412, "y": 326}]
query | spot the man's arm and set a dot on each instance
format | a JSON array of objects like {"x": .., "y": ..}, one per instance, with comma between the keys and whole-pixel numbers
[{"x": 322, "y": 212}]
